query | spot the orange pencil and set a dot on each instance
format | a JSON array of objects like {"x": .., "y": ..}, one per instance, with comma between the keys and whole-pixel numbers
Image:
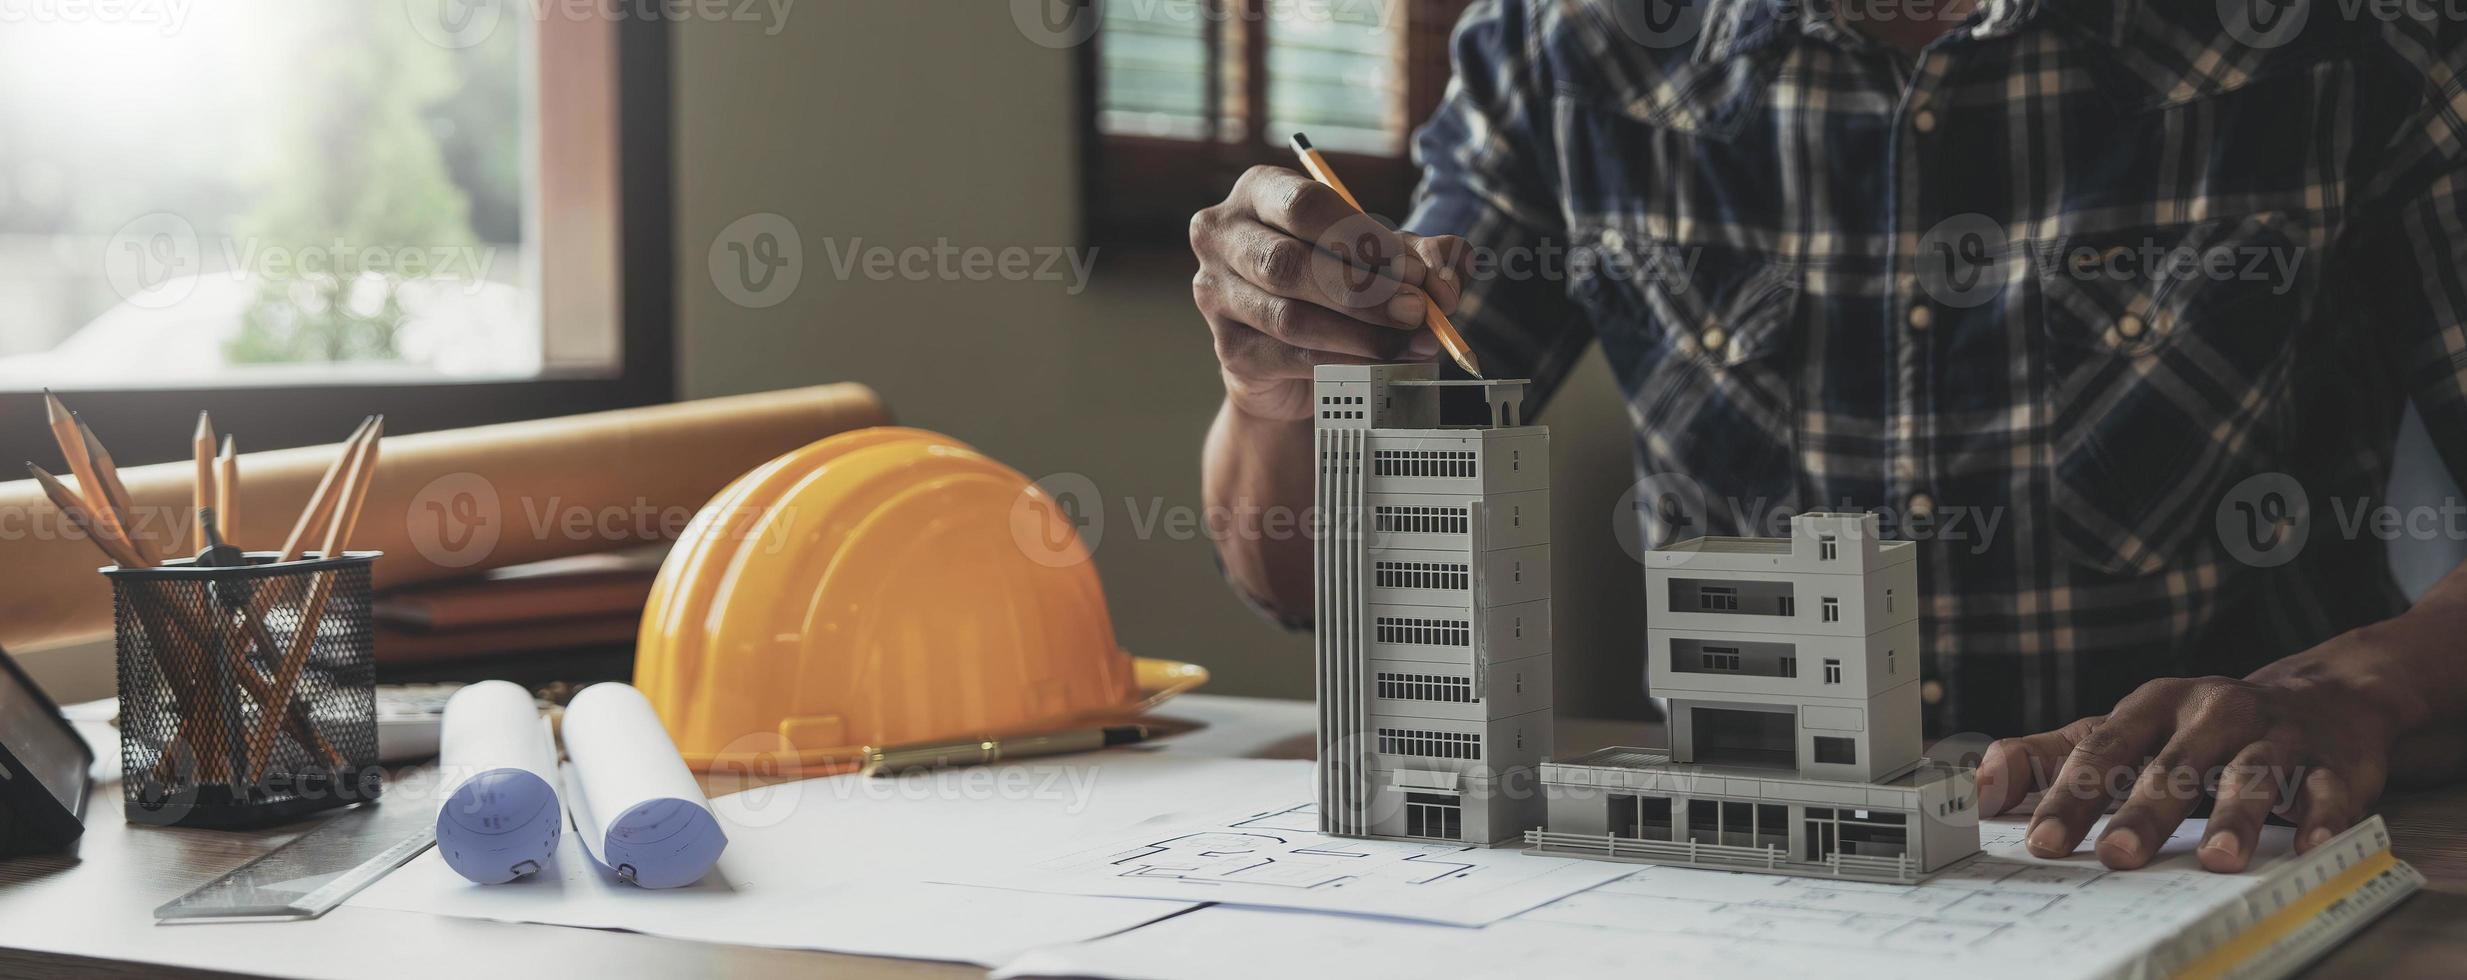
[
  {"x": 203, "y": 444},
  {"x": 337, "y": 540},
  {"x": 1437, "y": 321},
  {"x": 115, "y": 494},
  {"x": 72, "y": 440}
]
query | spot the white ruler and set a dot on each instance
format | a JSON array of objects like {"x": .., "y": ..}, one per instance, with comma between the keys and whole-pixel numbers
[{"x": 2298, "y": 911}]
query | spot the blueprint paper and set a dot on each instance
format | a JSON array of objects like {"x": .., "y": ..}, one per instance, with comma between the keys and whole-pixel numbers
[
  {"x": 1275, "y": 858},
  {"x": 2003, "y": 914},
  {"x": 846, "y": 863}
]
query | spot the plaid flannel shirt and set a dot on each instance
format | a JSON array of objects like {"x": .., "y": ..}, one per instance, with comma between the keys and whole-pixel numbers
[{"x": 2115, "y": 306}]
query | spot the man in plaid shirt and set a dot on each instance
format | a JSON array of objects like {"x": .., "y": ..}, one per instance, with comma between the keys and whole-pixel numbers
[{"x": 2112, "y": 305}]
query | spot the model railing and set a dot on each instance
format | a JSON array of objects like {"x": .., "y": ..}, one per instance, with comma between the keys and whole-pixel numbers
[
  {"x": 1898, "y": 867},
  {"x": 1668, "y": 852},
  {"x": 1768, "y": 858}
]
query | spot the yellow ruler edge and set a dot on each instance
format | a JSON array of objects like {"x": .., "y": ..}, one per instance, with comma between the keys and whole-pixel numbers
[{"x": 2278, "y": 925}]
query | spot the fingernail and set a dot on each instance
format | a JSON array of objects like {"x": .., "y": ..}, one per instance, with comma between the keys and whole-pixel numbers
[
  {"x": 2122, "y": 843},
  {"x": 2319, "y": 836},
  {"x": 1407, "y": 308},
  {"x": 2225, "y": 844},
  {"x": 2047, "y": 839},
  {"x": 1447, "y": 275},
  {"x": 1423, "y": 344}
]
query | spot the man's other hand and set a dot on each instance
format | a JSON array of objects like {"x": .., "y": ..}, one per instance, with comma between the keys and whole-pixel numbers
[{"x": 1291, "y": 277}]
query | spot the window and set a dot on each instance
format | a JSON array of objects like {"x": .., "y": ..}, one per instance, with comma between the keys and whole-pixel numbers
[
  {"x": 1832, "y": 610},
  {"x": 1442, "y": 463},
  {"x": 1182, "y": 95},
  {"x": 1720, "y": 659},
  {"x": 247, "y": 271},
  {"x": 1890, "y": 668},
  {"x": 1429, "y": 744},
  {"x": 1425, "y": 687},
  {"x": 1888, "y": 600},
  {"x": 1420, "y": 520},
  {"x": 1731, "y": 823},
  {"x": 1827, "y": 547},
  {"x": 1425, "y": 632},
  {"x": 1836, "y": 751},
  {"x": 1421, "y": 575},
  {"x": 1865, "y": 833},
  {"x": 1833, "y": 671},
  {"x": 1437, "y": 815},
  {"x": 1640, "y": 817},
  {"x": 1719, "y": 598},
  {"x": 1786, "y": 605}
]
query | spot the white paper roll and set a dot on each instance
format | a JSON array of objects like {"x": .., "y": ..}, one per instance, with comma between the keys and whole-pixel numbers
[
  {"x": 637, "y": 807},
  {"x": 500, "y": 818}
]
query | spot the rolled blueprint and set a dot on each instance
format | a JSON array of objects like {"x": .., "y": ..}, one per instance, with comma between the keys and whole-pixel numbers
[
  {"x": 500, "y": 819},
  {"x": 637, "y": 807}
]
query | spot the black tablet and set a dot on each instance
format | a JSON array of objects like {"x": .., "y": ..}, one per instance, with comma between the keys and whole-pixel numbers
[{"x": 43, "y": 769}]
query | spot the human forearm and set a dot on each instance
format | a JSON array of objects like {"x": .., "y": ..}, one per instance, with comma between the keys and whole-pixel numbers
[
  {"x": 2408, "y": 668},
  {"x": 1256, "y": 481}
]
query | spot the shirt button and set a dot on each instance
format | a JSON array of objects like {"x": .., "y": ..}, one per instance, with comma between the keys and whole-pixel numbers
[
  {"x": 1925, "y": 120},
  {"x": 1931, "y": 692},
  {"x": 1715, "y": 340},
  {"x": 1922, "y": 506},
  {"x": 1614, "y": 241},
  {"x": 2131, "y": 327},
  {"x": 1921, "y": 316}
]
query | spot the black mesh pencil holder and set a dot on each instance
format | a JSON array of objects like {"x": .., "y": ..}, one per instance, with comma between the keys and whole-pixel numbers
[{"x": 248, "y": 694}]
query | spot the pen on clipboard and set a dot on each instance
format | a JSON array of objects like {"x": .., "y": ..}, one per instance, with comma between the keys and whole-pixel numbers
[
  {"x": 896, "y": 760},
  {"x": 1431, "y": 317}
]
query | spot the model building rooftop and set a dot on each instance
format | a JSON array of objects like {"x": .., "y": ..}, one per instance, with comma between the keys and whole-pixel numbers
[{"x": 1819, "y": 543}]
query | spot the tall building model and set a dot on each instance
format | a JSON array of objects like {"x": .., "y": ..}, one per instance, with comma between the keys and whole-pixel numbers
[
  {"x": 1433, "y": 581},
  {"x": 1791, "y": 665}
]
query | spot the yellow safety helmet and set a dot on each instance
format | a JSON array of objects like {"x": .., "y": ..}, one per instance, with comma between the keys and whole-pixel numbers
[{"x": 881, "y": 587}]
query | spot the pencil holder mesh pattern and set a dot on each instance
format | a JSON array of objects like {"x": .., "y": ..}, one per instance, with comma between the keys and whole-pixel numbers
[{"x": 206, "y": 655}]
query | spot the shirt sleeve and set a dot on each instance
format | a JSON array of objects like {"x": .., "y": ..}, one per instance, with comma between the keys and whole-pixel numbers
[
  {"x": 1488, "y": 162},
  {"x": 2409, "y": 265}
]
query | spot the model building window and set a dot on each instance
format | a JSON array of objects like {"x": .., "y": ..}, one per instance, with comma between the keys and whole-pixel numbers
[
  {"x": 1832, "y": 610},
  {"x": 1425, "y": 687},
  {"x": 1786, "y": 605},
  {"x": 1430, "y": 745},
  {"x": 1833, "y": 751},
  {"x": 1434, "y": 815},
  {"x": 1640, "y": 817},
  {"x": 1185, "y": 96},
  {"x": 1720, "y": 659},
  {"x": 1888, "y": 600},
  {"x": 1833, "y": 671},
  {"x": 1718, "y": 598},
  {"x": 1827, "y": 548}
]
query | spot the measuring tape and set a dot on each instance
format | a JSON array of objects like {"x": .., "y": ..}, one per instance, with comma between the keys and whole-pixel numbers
[{"x": 2298, "y": 912}]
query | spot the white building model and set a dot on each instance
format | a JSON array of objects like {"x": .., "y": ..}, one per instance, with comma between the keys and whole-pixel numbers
[
  {"x": 1791, "y": 665},
  {"x": 1433, "y": 584}
]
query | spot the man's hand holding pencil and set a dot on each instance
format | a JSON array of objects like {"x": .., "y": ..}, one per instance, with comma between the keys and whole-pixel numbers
[{"x": 1292, "y": 275}]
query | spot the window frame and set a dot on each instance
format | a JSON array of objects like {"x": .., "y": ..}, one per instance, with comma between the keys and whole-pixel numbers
[
  {"x": 152, "y": 424},
  {"x": 1138, "y": 192}
]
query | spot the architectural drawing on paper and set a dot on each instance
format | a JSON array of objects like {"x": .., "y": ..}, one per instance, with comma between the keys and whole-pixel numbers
[
  {"x": 1791, "y": 665},
  {"x": 1433, "y": 582}
]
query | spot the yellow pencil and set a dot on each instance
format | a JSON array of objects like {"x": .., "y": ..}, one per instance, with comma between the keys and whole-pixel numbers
[{"x": 1437, "y": 321}]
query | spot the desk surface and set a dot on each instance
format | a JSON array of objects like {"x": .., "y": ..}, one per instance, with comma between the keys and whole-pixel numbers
[{"x": 93, "y": 914}]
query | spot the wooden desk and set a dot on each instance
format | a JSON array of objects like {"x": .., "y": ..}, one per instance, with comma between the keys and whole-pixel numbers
[{"x": 93, "y": 914}]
